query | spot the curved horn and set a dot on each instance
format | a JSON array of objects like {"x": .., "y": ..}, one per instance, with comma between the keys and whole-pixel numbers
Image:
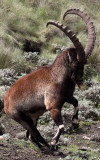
[
  {"x": 91, "y": 30},
  {"x": 73, "y": 38}
]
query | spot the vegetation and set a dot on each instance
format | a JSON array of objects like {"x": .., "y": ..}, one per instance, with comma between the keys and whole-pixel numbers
[
  {"x": 23, "y": 26},
  {"x": 26, "y": 20}
]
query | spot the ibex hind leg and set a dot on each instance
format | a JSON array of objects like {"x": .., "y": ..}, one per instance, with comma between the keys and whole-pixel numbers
[
  {"x": 28, "y": 124},
  {"x": 27, "y": 133},
  {"x": 29, "y": 136}
]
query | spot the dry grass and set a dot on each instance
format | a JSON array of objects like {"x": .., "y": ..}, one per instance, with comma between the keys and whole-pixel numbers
[{"x": 27, "y": 19}]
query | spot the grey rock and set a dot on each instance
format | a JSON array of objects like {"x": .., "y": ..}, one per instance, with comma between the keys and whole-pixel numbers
[
  {"x": 85, "y": 148},
  {"x": 21, "y": 135},
  {"x": 95, "y": 138},
  {"x": 6, "y": 136}
]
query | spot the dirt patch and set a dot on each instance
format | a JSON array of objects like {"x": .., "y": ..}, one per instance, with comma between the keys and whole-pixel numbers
[{"x": 81, "y": 144}]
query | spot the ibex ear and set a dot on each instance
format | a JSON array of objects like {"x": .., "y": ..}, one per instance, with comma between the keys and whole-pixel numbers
[{"x": 69, "y": 57}]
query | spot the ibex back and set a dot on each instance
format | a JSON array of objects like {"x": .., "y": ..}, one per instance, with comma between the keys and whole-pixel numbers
[{"x": 49, "y": 87}]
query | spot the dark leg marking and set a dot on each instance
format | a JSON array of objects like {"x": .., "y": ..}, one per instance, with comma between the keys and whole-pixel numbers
[
  {"x": 27, "y": 133},
  {"x": 28, "y": 124},
  {"x": 74, "y": 102}
]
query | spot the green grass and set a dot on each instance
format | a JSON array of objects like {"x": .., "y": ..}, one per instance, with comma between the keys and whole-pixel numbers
[
  {"x": 83, "y": 123},
  {"x": 24, "y": 19},
  {"x": 76, "y": 154}
]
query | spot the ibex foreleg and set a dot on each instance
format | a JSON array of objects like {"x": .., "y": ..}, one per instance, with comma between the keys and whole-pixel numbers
[
  {"x": 74, "y": 102},
  {"x": 56, "y": 116},
  {"x": 54, "y": 104}
]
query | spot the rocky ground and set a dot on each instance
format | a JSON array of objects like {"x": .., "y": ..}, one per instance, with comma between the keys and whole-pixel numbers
[
  {"x": 83, "y": 143},
  {"x": 80, "y": 144}
]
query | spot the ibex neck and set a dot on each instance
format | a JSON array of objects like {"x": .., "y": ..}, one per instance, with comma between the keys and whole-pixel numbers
[{"x": 60, "y": 67}]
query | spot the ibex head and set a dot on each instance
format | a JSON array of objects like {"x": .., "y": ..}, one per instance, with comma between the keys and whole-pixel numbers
[
  {"x": 78, "y": 55},
  {"x": 76, "y": 68}
]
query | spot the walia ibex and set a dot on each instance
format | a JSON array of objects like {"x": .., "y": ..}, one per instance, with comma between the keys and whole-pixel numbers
[{"x": 49, "y": 87}]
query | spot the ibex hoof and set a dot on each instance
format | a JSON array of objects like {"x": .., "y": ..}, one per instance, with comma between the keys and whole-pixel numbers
[
  {"x": 75, "y": 125},
  {"x": 72, "y": 127},
  {"x": 53, "y": 143},
  {"x": 53, "y": 147}
]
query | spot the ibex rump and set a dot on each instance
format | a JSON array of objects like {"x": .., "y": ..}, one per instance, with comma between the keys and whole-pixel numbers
[{"x": 49, "y": 87}]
